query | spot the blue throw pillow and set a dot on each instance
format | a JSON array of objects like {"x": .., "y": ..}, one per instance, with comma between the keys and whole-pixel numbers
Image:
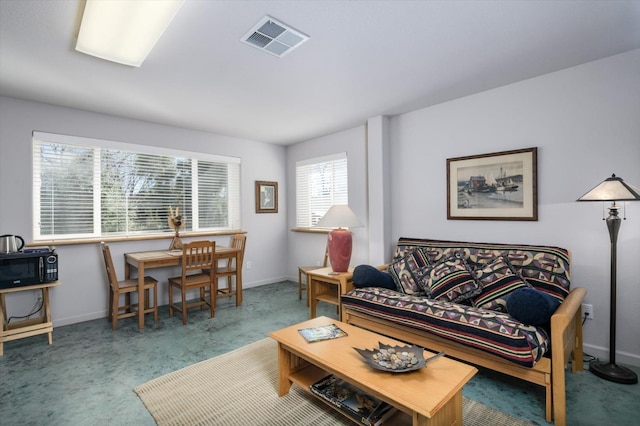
[
  {"x": 531, "y": 306},
  {"x": 369, "y": 276}
]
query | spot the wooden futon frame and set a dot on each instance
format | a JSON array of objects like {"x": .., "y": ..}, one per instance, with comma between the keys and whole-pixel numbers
[{"x": 566, "y": 341}]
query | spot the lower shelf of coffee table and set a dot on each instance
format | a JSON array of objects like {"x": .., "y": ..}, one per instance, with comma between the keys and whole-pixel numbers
[{"x": 310, "y": 374}]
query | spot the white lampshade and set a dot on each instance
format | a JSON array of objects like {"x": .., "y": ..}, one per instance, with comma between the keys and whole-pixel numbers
[
  {"x": 124, "y": 31},
  {"x": 612, "y": 189},
  {"x": 339, "y": 216}
]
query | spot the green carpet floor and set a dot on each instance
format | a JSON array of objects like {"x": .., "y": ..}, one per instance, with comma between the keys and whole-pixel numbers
[{"x": 86, "y": 377}]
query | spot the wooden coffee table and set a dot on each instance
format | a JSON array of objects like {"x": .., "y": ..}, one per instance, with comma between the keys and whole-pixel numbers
[{"x": 429, "y": 396}]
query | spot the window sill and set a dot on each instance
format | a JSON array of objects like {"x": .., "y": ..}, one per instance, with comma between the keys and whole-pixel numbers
[
  {"x": 312, "y": 230},
  {"x": 164, "y": 236}
]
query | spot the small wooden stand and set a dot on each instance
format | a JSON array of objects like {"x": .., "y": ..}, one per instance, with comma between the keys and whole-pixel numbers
[
  {"x": 328, "y": 286},
  {"x": 28, "y": 327}
]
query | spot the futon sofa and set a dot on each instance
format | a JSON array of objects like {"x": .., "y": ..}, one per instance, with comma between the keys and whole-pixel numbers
[{"x": 506, "y": 307}]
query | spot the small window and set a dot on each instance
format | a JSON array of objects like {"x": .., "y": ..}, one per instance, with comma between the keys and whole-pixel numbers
[
  {"x": 88, "y": 188},
  {"x": 320, "y": 183}
]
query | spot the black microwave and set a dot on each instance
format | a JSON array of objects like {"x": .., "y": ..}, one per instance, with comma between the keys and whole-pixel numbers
[{"x": 24, "y": 269}]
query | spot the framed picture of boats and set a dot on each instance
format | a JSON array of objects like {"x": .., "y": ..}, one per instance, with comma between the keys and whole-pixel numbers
[{"x": 496, "y": 186}]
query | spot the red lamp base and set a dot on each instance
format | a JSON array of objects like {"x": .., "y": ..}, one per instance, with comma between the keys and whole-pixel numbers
[{"x": 340, "y": 244}]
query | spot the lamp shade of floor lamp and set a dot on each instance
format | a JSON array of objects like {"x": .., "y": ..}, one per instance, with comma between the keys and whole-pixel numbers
[
  {"x": 613, "y": 189},
  {"x": 339, "y": 241}
]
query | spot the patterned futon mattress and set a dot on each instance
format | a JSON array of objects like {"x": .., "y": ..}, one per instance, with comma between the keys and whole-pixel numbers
[{"x": 493, "y": 332}]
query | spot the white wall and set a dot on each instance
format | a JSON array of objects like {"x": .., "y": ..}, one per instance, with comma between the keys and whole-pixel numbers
[
  {"x": 378, "y": 189},
  {"x": 83, "y": 293},
  {"x": 585, "y": 122},
  {"x": 308, "y": 249}
]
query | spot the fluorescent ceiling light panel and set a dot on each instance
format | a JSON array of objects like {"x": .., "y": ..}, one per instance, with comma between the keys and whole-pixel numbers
[{"x": 124, "y": 31}]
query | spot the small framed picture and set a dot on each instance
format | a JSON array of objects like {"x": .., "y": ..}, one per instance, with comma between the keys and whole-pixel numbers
[
  {"x": 266, "y": 197},
  {"x": 495, "y": 186}
]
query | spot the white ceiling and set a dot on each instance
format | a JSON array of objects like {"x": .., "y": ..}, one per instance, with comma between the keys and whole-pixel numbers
[{"x": 364, "y": 58}]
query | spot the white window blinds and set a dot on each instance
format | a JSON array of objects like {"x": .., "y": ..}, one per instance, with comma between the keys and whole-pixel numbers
[
  {"x": 88, "y": 188},
  {"x": 320, "y": 183}
]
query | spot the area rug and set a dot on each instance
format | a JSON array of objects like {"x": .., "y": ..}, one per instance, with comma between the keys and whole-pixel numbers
[{"x": 240, "y": 388}]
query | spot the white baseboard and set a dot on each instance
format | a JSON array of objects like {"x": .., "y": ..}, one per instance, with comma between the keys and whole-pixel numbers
[
  {"x": 79, "y": 318},
  {"x": 603, "y": 354},
  {"x": 59, "y": 322},
  {"x": 267, "y": 281}
]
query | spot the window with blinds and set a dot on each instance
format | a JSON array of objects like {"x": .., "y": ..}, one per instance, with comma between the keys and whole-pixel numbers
[
  {"x": 88, "y": 188},
  {"x": 320, "y": 183}
]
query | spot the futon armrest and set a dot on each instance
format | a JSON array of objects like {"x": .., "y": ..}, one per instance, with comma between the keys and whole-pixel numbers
[
  {"x": 570, "y": 306},
  {"x": 566, "y": 331}
]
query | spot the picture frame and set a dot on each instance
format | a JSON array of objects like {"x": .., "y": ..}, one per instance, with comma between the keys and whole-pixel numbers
[
  {"x": 496, "y": 186},
  {"x": 266, "y": 197}
]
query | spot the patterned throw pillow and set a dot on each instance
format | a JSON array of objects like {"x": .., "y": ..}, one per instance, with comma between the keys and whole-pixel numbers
[
  {"x": 498, "y": 281},
  {"x": 407, "y": 271},
  {"x": 450, "y": 280}
]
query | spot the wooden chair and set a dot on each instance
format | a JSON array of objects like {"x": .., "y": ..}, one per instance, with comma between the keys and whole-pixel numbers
[
  {"x": 196, "y": 257},
  {"x": 304, "y": 271},
  {"x": 228, "y": 269},
  {"x": 126, "y": 287}
]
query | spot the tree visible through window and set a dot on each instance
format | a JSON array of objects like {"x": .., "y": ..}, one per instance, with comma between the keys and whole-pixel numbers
[
  {"x": 320, "y": 183},
  {"x": 85, "y": 188}
]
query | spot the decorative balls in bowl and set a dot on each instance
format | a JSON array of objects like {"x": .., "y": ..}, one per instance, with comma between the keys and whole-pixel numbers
[{"x": 394, "y": 359}]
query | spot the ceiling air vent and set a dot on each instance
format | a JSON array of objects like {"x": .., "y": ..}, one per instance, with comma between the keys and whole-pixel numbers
[{"x": 274, "y": 37}]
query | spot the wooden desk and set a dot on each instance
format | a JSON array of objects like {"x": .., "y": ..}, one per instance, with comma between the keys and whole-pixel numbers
[
  {"x": 159, "y": 259},
  {"x": 324, "y": 285},
  {"x": 28, "y": 327}
]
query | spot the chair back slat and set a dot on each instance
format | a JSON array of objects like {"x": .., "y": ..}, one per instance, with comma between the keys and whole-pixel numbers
[
  {"x": 197, "y": 255},
  {"x": 108, "y": 264},
  {"x": 239, "y": 242}
]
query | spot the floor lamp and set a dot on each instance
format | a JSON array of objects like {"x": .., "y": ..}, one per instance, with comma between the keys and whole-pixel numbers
[
  {"x": 613, "y": 189},
  {"x": 339, "y": 241}
]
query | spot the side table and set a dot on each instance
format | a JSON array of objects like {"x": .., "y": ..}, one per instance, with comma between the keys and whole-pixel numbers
[
  {"x": 28, "y": 327},
  {"x": 328, "y": 286}
]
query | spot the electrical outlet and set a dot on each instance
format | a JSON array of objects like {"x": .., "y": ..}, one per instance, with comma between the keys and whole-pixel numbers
[
  {"x": 249, "y": 264},
  {"x": 38, "y": 296},
  {"x": 587, "y": 310}
]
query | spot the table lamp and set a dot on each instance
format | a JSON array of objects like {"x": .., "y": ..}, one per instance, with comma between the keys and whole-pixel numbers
[
  {"x": 339, "y": 240},
  {"x": 613, "y": 189}
]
